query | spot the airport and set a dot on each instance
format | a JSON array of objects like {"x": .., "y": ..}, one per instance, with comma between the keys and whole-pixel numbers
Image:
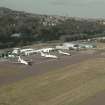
[
  {"x": 33, "y": 61},
  {"x": 52, "y": 59}
]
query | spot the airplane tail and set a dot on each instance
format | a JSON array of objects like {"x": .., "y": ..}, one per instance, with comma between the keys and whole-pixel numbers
[
  {"x": 19, "y": 59},
  {"x": 42, "y": 54}
]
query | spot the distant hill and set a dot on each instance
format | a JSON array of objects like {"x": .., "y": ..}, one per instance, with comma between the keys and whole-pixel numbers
[{"x": 19, "y": 28}]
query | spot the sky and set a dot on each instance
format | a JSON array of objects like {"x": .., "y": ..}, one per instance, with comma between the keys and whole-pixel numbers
[{"x": 72, "y": 8}]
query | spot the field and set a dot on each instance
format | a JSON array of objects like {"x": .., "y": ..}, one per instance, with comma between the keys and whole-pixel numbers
[{"x": 73, "y": 80}]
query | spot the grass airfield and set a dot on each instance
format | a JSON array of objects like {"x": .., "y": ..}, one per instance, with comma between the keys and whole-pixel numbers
[{"x": 74, "y": 84}]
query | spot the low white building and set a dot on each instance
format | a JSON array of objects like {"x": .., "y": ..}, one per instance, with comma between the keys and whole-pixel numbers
[
  {"x": 70, "y": 45},
  {"x": 61, "y": 48},
  {"x": 16, "y": 35}
]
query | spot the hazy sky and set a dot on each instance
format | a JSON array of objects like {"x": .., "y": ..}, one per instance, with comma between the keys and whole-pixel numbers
[{"x": 78, "y": 8}]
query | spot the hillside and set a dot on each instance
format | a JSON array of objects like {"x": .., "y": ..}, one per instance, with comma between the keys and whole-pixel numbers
[{"x": 21, "y": 28}]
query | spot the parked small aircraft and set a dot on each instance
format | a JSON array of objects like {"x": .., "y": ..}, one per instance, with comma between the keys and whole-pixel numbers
[
  {"x": 64, "y": 53},
  {"x": 48, "y": 55},
  {"x": 21, "y": 61}
]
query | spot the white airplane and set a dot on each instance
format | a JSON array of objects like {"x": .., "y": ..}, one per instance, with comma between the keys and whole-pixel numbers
[
  {"x": 64, "y": 53},
  {"x": 45, "y": 50},
  {"x": 48, "y": 55},
  {"x": 20, "y": 60},
  {"x": 27, "y": 53},
  {"x": 16, "y": 51},
  {"x": 27, "y": 49}
]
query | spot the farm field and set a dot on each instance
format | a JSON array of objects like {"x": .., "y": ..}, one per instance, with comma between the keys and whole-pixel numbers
[{"x": 75, "y": 80}]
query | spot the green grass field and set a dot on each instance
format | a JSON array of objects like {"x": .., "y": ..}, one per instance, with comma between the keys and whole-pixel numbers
[{"x": 72, "y": 85}]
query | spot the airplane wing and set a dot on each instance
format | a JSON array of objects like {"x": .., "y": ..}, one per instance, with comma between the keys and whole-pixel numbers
[
  {"x": 61, "y": 52},
  {"x": 29, "y": 63}
]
